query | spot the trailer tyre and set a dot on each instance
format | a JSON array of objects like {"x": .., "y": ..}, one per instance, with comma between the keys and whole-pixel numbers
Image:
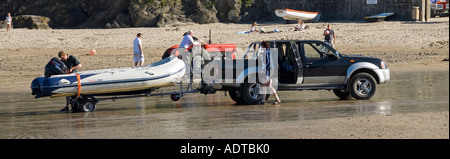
[
  {"x": 88, "y": 106},
  {"x": 85, "y": 104},
  {"x": 175, "y": 97}
]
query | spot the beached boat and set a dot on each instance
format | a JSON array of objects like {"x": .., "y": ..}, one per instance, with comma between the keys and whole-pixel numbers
[
  {"x": 378, "y": 17},
  {"x": 290, "y": 14},
  {"x": 116, "y": 81}
]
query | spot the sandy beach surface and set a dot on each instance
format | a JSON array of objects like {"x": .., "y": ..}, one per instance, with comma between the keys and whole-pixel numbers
[{"x": 407, "y": 47}]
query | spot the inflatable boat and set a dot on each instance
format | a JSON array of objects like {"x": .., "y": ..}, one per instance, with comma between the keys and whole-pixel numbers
[
  {"x": 116, "y": 81},
  {"x": 378, "y": 17},
  {"x": 290, "y": 14}
]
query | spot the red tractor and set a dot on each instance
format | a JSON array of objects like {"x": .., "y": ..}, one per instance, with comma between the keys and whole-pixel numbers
[{"x": 225, "y": 51}]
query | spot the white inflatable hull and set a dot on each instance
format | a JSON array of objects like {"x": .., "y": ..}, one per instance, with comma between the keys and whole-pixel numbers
[{"x": 128, "y": 80}]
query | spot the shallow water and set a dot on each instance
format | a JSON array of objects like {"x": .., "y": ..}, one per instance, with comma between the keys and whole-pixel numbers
[{"x": 22, "y": 116}]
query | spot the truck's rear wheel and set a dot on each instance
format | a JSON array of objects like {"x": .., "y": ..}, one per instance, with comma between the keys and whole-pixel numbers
[
  {"x": 342, "y": 94},
  {"x": 251, "y": 93},
  {"x": 234, "y": 96},
  {"x": 362, "y": 86}
]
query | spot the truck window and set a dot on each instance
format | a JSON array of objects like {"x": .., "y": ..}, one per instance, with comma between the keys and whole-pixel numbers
[{"x": 315, "y": 51}]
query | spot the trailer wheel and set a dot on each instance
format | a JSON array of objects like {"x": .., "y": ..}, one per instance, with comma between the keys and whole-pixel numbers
[
  {"x": 175, "y": 97},
  {"x": 85, "y": 104},
  {"x": 88, "y": 106}
]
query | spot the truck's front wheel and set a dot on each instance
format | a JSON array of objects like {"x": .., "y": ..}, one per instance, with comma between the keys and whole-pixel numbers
[{"x": 362, "y": 86}]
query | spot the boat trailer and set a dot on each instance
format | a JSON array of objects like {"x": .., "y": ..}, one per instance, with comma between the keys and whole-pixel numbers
[{"x": 87, "y": 103}]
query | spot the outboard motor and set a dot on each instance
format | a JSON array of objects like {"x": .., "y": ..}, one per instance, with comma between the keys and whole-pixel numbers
[{"x": 55, "y": 67}]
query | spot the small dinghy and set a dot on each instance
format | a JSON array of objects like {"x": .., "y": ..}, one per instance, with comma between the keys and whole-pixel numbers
[
  {"x": 116, "y": 81},
  {"x": 378, "y": 17},
  {"x": 290, "y": 14}
]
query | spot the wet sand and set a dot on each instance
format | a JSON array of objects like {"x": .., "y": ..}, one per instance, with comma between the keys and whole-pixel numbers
[
  {"x": 419, "y": 111},
  {"x": 409, "y": 48}
]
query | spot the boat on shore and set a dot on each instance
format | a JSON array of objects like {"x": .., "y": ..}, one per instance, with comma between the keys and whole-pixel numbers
[
  {"x": 290, "y": 14},
  {"x": 378, "y": 17},
  {"x": 115, "y": 81}
]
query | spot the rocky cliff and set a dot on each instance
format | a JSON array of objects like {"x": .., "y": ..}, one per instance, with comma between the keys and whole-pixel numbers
[
  {"x": 154, "y": 13},
  {"x": 137, "y": 13}
]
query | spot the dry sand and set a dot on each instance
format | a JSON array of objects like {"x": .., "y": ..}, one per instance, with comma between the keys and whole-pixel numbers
[{"x": 406, "y": 47}]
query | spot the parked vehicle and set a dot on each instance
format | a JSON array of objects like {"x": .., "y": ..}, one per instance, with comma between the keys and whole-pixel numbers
[
  {"x": 439, "y": 8},
  {"x": 315, "y": 66}
]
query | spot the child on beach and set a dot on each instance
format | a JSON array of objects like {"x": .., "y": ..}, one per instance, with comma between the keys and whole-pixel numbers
[{"x": 8, "y": 22}]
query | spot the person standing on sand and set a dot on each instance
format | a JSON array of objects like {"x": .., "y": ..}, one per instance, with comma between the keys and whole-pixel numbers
[
  {"x": 72, "y": 65},
  {"x": 330, "y": 37},
  {"x": 8, "y": 22},
  {"x": 138, "y": 55},
  {"x": 269, "y": 65}
]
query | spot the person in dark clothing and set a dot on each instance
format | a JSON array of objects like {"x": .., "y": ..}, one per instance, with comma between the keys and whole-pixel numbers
[
  {"x": 71, "y": 62},
  {"x": 330, "y": 37},
  {"x": 72, "y": 65}
]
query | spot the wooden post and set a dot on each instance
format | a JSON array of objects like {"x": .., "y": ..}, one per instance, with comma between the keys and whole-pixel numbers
[
  {"x": 209, "y": 36},
  {"x": 427, "y": 10},
  {"x": 422, "y": 10}
]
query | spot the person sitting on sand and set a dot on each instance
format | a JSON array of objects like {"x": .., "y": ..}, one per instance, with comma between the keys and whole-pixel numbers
[
  {"x": 253, "y": 27},
  {"x": 300, "y": 26}
]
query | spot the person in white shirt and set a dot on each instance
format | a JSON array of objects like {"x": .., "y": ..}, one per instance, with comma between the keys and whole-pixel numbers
[
  {"x": 138, "y": 51},
  {"x": 188, "y": 40},
  {"x": 8, "y": 22}
]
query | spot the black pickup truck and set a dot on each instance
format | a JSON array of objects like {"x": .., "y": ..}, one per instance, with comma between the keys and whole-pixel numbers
[{"x": 302, "y": 65}]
